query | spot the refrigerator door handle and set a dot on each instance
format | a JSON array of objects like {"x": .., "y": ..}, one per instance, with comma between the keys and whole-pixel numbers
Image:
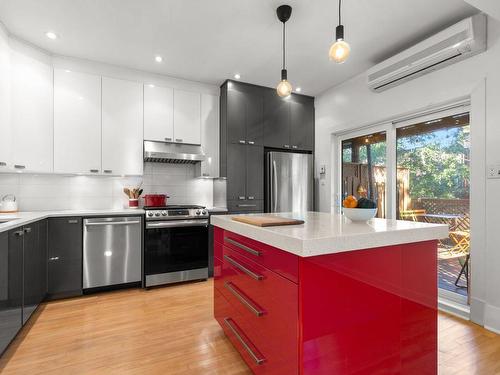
[{"x": 275, "y": 189}]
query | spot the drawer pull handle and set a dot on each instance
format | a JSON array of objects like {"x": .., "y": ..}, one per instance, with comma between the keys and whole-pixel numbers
[
  {"x": 108, "y": 171},
  {"x": 242, "y": 268},
  {"x": 258, "y": 358},
  {"x": 168, "y": 139},
  {"x": 27, "y": 230},
  {"x": 251, "y": 142},
  {"x": 244, "y": 300},
  {"x": 53, "y": 258},
  {"x": 73, "y": 221},
  {"x": 246, "y": 205},
  {"x": 178, "y": 139},
  {"x": 94, "y": 171},
  {"x": 242, "y": 141},
  {"x": 3, "y": 164},
  {"x": 242, "y": 247},
  {"x": 18, "y": 166},
  {"x": 295, "y": 147}
]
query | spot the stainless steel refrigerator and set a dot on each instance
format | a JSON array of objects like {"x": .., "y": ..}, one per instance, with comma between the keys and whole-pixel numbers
[{"x": 289, "y": 182}]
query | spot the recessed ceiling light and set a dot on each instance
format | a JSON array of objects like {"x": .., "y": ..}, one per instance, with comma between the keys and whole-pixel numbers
[
  {"x": 237, "y": 76},
  {"x": 158, "y": 59},
  {"x": 51, "y": 35},
  {"x": 151, "y": 85},
  {"x": 298, "y": 89}
]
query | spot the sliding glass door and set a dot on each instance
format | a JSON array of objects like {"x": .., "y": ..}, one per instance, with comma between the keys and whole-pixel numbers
[{"x": 417, "y": 169}]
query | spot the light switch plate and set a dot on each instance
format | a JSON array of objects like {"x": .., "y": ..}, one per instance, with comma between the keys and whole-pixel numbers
[{"x": 493, "y": 171}]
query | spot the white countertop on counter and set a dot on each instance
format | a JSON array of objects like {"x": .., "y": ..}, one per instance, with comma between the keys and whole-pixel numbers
[
  {"x": 324, "y": 233},
  {"x": 23, "y": 218}
]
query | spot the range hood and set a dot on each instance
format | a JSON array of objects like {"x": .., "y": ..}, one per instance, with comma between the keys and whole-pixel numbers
[{"x": 162, "y": 152}]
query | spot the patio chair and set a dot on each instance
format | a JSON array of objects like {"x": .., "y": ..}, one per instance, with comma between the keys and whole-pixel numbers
[
  {"x": 412, "y": 215},
  {"x": 461, "y": 248}
]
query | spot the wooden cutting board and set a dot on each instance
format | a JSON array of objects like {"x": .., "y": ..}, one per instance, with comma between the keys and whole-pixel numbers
[{"x": 267, "y": 221}]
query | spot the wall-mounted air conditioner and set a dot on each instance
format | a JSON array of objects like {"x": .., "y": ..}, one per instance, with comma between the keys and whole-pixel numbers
[{"x": 458, "y": 42}]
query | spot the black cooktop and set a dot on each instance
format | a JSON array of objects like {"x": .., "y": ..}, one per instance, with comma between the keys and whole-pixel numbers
[{"x": 175, "y": 207}]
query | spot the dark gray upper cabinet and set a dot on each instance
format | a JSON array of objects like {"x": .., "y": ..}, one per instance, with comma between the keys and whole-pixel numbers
[
  {"x": 276, "y": 120},
  {"x": 289, "y": 122},
  {"x": 65, "y": 257},
  {"x": 302, "y": 123},
  {"x": 236, "y": 172},
  {"x": 11, "y": 286},
  {"x": 243, "y": 105},
  {"x": 254, "y": 172}
]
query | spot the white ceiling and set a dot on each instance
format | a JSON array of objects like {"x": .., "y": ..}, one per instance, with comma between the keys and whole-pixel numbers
[{"x": 210, "y": 40}]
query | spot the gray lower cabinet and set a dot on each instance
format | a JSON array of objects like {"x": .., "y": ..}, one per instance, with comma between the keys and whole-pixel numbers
[
  {"x": 23, "y": 277},
  {"x": 65, "y": 257},
  {"x": 11, "y": 286}
]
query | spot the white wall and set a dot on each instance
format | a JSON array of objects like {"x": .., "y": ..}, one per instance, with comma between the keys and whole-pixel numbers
[{"x": 352, "y": 105}]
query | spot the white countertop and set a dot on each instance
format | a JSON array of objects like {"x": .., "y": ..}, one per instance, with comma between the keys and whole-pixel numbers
[
  {"x": 324, "y": 233},
  {"x": 23, "y": 218}
]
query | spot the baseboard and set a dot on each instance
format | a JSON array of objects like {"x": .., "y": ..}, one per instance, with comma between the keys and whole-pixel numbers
[
  {"x": 492, "y": 318},
  {"x": 454, "y": 308},
  {"x": 477, "y": 307}
]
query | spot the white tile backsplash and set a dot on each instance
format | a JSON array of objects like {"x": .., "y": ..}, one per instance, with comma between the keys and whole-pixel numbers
[{"x": 59, "y": 192}]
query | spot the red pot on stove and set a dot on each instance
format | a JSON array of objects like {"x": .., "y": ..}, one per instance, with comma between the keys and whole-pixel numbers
[{"x": 155, "y": 200}]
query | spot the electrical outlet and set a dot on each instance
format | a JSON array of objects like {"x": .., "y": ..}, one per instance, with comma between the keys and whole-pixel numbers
[{"x": 493, "y": 171}]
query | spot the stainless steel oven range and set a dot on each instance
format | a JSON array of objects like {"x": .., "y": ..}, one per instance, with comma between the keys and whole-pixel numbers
[{"x": 175, "y": 244}]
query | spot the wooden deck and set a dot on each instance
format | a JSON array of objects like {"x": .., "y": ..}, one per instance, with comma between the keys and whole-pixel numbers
[{"x": 171, "y": 331}]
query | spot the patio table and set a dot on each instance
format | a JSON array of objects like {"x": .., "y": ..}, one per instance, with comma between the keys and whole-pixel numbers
[{"x": 450, "y": 219}]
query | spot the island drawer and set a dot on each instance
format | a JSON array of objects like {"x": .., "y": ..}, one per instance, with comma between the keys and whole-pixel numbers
[
  {"x": 264, "y": 311},
  {"x": 279, "y": 261}
]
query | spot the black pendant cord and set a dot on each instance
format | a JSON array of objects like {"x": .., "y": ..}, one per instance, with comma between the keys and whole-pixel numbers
[
  {"x": 284, "y": 42},
  {"x": 340, "y": 12}
]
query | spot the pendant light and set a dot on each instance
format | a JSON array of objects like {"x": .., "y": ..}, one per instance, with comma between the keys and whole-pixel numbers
[
  {"x": 284, "y": 87},
  {"x": 339, "y": 51}
]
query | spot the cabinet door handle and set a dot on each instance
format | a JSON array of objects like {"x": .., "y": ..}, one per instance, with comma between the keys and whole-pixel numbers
[
  {"x": 3, "y": 164},
  {"x": 251, "y": 198},
  {"x": 242, "y": 247},
  {"x": 108, "y": 171},
  {"x": 286, "y": 146},
  {"x": 18, "y": 166},
  {"x": 178, "y": 140},
  {"x": 27, "y": 230},
  {"x": 246, "y": 205},
  {"x": 73, "y": 221},
  {"x": 241, "y": 198},
  {"x": 242, "y": 268},
  {"x": 295, "y": 147},
  {"x": 53, "y": 259},
  {"x": 206, "y": 174},
  {"x": 251, "y": 142},
  {"x": 257, "y": 357},
  {"x": 94, "y": 171},
  {"x": 168, "y": 139},
  {"x": 19, "y": 233},
  {"x": 242, "y": 141},
  {"x": 235, "y": 291}
]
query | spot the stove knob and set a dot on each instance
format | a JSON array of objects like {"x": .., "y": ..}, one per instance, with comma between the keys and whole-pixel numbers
[
  {"x": 150, "y": 214},
  {"x": 157, "y": 213},
  {"x": 164, "y": 213},
  {"x": 204, "y": 212},
  {"x": 198, "y": 212}
]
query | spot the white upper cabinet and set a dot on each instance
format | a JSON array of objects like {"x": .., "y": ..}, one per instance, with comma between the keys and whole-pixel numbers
[
  {"x": 158, "y": 113},
  {"x": 77, "y": 122},
  {"x": 32, "y": 110},
  {"x": 209, "y": 136},
  {"x": 122, "y": 127},
  {"x": 5, "y": 133},
  {"x": 187, "y": 117}
]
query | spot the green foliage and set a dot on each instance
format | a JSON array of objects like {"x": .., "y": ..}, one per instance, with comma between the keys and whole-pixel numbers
[{"x": 438, "y": 163}]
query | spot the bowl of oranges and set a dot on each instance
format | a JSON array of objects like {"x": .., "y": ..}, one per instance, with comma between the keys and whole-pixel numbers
[{"x": 359, "y": 210}]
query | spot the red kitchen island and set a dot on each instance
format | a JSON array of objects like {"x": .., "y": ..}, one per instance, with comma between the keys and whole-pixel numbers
[{"x": 329, "y": 296}]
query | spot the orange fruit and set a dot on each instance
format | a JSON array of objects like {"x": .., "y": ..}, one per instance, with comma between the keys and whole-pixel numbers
[{"x": 350, "y": 202}]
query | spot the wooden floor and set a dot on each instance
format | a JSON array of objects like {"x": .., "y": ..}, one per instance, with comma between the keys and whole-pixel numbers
[{"x": 171, "y": 331}]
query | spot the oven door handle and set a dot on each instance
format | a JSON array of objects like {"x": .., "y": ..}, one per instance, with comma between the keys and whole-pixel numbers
[{"x": 177, "y": 224}]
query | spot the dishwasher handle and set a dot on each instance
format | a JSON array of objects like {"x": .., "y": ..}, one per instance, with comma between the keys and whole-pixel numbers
[{"x": 102, "y": 223}]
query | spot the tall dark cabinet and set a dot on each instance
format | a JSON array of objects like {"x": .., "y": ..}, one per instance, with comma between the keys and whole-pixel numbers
[{"x": 255, "y": 119}]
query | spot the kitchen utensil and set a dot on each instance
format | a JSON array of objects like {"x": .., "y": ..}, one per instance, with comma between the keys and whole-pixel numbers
[
  {"x": 8, "y": 204},
  {"x": 267, "y": 221},
  {"x": 155, "y": 200}
]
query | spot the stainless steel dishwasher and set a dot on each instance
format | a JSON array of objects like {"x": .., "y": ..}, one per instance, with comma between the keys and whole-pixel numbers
[{"x": 112, "y": 248}]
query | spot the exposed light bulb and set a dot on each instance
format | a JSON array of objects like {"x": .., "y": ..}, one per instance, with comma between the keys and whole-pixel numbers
[
  {"x": 339, "y": 51},
  {"x": 284, "y": 88}
]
